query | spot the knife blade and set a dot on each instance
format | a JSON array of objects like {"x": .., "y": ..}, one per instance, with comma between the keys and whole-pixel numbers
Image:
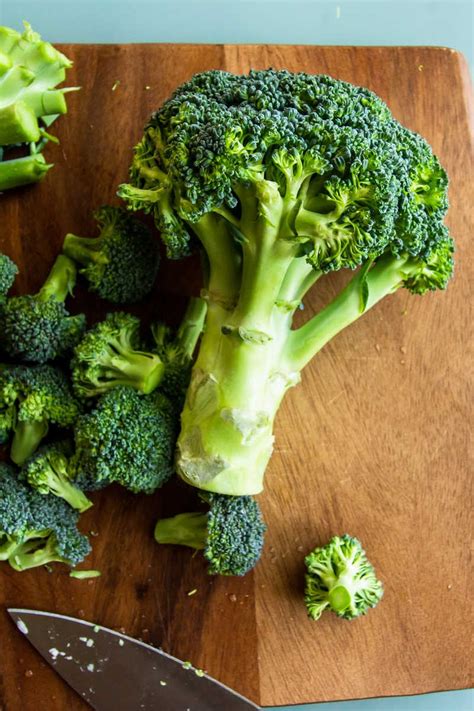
[{"x": 114, "y": 672}]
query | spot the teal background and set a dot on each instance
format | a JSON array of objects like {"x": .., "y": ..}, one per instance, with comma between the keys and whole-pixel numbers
[{"x": 356, "y": 22}]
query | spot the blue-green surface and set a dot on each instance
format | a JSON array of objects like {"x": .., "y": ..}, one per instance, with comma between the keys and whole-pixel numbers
[{"x": 354, "y": 22}]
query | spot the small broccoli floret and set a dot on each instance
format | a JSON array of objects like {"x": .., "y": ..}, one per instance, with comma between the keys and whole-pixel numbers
[
  {"x": 49, "y": 472},
  {"x": 36, "y": 529},
  {"x": 8, "y": 272},
  {"x": 32, "y": 398},
  {"x": 176, "y": 350},
  {"x": 38, "y": 327},
  {"x": 128, "y": 438},
  {"x": 341, "y": 579},
  {"x": 121, "y": 264},
  {"x": 230, "y": 534},
  {"x": 109, "y": 355}
]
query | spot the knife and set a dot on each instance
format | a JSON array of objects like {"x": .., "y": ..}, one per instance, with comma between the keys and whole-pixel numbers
[{"x": 113, "y": 672}]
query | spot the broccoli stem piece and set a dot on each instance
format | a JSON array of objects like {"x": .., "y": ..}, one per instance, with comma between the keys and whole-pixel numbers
[
  {"x": 36, "y": 552},
  {"x": 60, "y": 281},
  {"x": 187, "y": 529},
  {"x": 84, "y": 250},
  {"x": 7, "y": 546},
  {"x": 22, "y": 171},
  {"x": 26, "y": 439},
  {"x": 18, "y": 124}
]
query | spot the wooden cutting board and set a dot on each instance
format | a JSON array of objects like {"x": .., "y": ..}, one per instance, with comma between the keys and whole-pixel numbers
[{"x": 374, "y": 442}]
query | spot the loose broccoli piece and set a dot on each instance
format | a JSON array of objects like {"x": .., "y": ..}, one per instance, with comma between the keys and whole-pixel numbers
[
  {"x": 35, "y": 529},
  {"x": 38, "y": 328},
  {"x": 32, "y": 398},
  {"x": 8, "y": 272},
  {"x": 279, "y": 178},
  {"x": 121, "y": 264},
  {"x": 30, "y": 69},
  {"x": 110, "y": 355},
  {"x": 176, "y": 350},
  {"x": 341, "y": 579},
  {"x": 49, "y": 471},
  {"x": 230, "y": 533},
  {"x": 128, "y": 438}
]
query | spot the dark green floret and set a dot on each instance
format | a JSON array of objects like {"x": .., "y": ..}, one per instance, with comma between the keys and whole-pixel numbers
[
  {"x": 279, "y": 178},
  {"x": 32, "y": 398},
  {"x": 35, "y": 529},
  {"x": 128, "y": 438},
  {"x": 341, "y": 579},
  {"x": 122, "y": 263},
  {"x": 38, "y": 328},
  {"x": 49, "y": 471},
  {"x": 110, "y": 354},
  {"x": 230, "y": 533},
  {"x": 8, "y": 272}
]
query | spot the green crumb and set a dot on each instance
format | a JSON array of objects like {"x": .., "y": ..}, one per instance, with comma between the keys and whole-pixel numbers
[
  {"x": 192, "y": 592},
  {"x": 199, "y": 672},
  {"x": 163, "y": 683},
  {"x": 96, "y": 628},
  {"x": 116, "y": 85},
  {"x": 84, "y": 574},
  {"x": 187, "y": 665}
]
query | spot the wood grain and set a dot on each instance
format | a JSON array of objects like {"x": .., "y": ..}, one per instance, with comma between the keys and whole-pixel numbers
[{"x": 375, "y": 441}]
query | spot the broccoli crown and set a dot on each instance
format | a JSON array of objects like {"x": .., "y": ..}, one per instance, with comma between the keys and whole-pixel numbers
[
  {"x": 341, "y": 578},
  {"x": 109, "y": 356},
  {"x": 8, "y": 272},
  {"x": 433, "y": 272},
  {"x": 36, "y": 529},
  {"x": 230, "y": 534},
  {"x": 354, "y": 182},
  {"x": 177, "y": 364},
  {"x": 38, "y": 327},
  {"x": 49, "y": 472},
  {"x": 128, "y": 438},
  {"x": 122, "y": 263}
]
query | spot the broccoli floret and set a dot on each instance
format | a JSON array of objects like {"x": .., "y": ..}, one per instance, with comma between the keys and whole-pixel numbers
[
  {"x": 176, "y": 351},
  {"x": 110, "y": 355},
  {"x": 32, "y": 398},
  {"x": 279, "y": 178},
  {"x": 49, "y": 472},
  {"x": 128, "y": 438},
  {"x": 230, "y": 533},
  {"x": 8, "y": 272},
  {"x": 341, "y": 579},
  {"x": 35, "y": 529},
  {"x": 30, "y": 69},
  {"x": 38, "y": 328},
  {"x": 122, "y": 263}
]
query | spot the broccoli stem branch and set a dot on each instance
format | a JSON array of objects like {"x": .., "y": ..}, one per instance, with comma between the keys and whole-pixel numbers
[
  {"x": 34, "y": 553},
  {"x": 187, "y": 529},
  {"x": 23, "y": 171},
  {"x": 28, "y": 435},
  {"x": 191, "y": 327},
  {"x": 18, "y": 124},
  {"x": 60, "y": 281},
  {"x": 384, "y": 278},
  {"x": 224, "y": 260},
  {"x": 83, "y": 250}
]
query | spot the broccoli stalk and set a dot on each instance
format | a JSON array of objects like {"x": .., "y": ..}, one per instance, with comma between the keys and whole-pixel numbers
[
  {"x": 30, "y": 69},
  {"x": 340, "y": 578},
  {"x": 27, "y": 437},
  {"x": 285, "y": 177}
]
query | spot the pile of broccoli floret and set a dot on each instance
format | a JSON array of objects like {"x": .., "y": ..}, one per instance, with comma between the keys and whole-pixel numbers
[{"x": 276, "y": 179}]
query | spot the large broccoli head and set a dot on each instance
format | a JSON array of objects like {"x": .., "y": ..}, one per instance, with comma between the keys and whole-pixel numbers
[
  {"x": 122, "y": 263},
  {"x": 230, "y": 533},
  {"x": 354, "y": 181}
]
